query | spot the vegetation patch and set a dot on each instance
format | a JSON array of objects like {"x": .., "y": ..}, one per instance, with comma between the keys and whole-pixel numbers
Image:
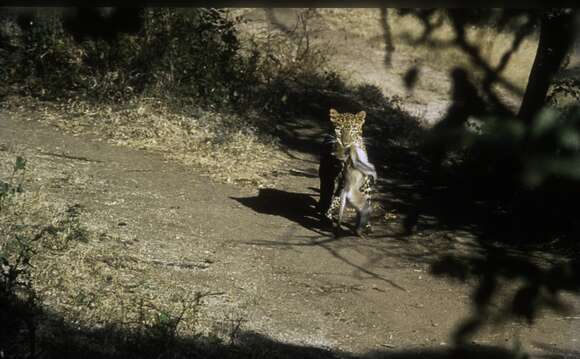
[
  {"x": 66, "y": 288},
  {"x": 226, "y": 146}
]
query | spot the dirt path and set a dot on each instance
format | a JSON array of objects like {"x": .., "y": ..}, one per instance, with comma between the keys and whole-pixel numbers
[{"x": 255, "y": 251}]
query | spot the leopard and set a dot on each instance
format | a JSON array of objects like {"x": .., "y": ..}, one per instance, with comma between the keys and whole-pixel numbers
[{"x": 346, "y": 175}]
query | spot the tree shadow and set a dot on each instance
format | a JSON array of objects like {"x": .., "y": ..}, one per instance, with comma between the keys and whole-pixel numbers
[
  {"x": 387, "y": 37},
  {"x": 557, "y": 353},
  {"x": 436, "y": 198},
  {"x": 333, "y": 245},
  {"x": 510, "y": 285},
  {"x": 57, "y": 337},
  {"x": 513, "y": 278}
]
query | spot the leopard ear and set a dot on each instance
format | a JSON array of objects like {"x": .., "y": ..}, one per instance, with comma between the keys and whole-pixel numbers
[
  {"x": 362, "y": 115},
  {"x": 333, "y": 115}
]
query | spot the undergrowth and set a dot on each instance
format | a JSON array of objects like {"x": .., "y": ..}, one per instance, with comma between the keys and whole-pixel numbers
[
  {"x": 66, "y": 289},
  {"x": 185, "y": 85}
]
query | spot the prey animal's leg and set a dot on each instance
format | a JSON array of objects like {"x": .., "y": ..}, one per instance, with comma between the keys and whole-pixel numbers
[
  {"x": 343, "y": 198},
  {"x": 360, "y": 202},
  {"x": 363, "y": 219}
]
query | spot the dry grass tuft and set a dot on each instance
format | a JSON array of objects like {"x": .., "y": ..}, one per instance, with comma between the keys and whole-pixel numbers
[
  {"x": 104, "y": 284},
  {"x": 227, "y": 147}
]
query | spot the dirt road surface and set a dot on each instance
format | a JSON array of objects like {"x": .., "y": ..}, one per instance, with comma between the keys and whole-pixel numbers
[{"x": 261, "y": 253}]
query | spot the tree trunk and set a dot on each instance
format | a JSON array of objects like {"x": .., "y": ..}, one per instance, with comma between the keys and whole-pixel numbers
[{"x": 556, "y": 39}]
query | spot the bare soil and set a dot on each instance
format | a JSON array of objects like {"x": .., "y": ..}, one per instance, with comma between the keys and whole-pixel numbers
[{"x": 255, "y": 250}]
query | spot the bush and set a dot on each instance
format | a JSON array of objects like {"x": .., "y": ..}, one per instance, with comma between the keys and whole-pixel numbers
[
  {"x": 179, "y": 53},
  {"x": 193, "y": 52},
  {"x": 531, "y": 171}
]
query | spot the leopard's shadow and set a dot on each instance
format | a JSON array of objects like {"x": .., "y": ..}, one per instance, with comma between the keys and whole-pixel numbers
[{"x": 300, "y": 208}]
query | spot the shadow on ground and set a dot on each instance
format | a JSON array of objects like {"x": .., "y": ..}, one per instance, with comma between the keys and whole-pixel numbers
[
  {"x": 54, "y": 337},
  {"x": 300, "y": 208},
  {"x": 433, "y": 200}
]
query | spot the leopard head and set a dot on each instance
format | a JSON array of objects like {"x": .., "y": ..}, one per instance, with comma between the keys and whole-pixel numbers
[{"x": 348, "y": 127}]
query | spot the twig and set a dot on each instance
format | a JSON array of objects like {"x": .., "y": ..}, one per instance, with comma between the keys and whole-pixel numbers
[{"x": 62, "y": 155}]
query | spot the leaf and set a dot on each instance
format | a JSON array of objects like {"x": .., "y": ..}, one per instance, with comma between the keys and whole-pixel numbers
[
  {"x": 538, "y": 168},
  {"x": 569, "y": 139},
  {"x": 545, "y": 121},
  {"x": 163, "y": 318}
]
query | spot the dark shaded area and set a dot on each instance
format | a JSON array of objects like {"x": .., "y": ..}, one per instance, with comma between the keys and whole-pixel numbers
[
  {"x": 328, "y": 171},
  {"x": 490, "y": 165},
  {"x": 537, "y": 287},
  {"x": 411, "y": 77},
  {"x": 83, "y": 23},
  {"x": 445, "y": 134},
  {"x": 557, "y": 35},
  {"x": 300, "y": 208},
  {"x": 557, "y": 29},
  {"x": 103, "y": 23},
  {"x": 80, "y": 53},
  {"x": 60, "y": 339},
  {"x": 451, "y": 198},
  {"x": 302, "y": 122},
  {"x": 387, "y": 37},
  {"x": 478, "y": 179},
  {"x": 54, "y": 337}
]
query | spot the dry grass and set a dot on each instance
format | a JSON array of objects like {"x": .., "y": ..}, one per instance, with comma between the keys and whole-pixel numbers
[
  {"x": 90, "y": 278},
  {"x": 344, "y": 34},
  {"x": 104, "y": 283},
  {"x": 366, "y": 24},
  {"x": 94, "y": 279},
  {"x": 227, "y": 147}
]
